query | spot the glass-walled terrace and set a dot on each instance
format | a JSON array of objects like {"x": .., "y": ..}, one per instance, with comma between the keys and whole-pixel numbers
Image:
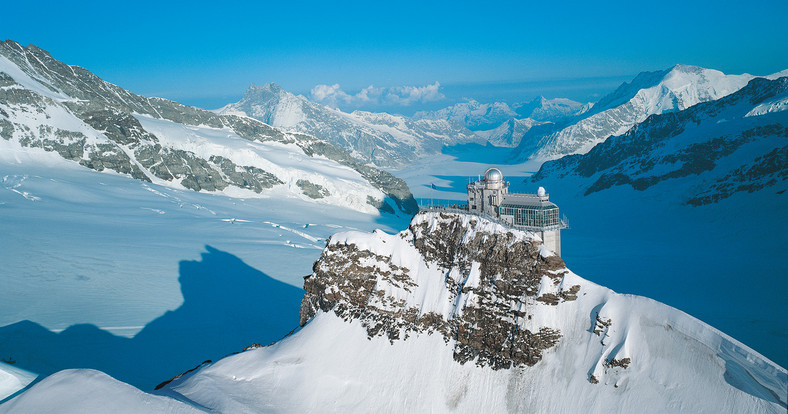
[{"x": 532, "y": 216}]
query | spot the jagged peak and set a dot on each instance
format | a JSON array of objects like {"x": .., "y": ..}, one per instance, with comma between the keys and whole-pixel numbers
[
  {"x": 680, "y": 67},
  {"x": 627, "y": 90},
  {"x": 263, "y": 93},
  {"x": 270, "y": 87},
  {"x": 31, "y": 48},
  {"x": 539, "y": 100}
]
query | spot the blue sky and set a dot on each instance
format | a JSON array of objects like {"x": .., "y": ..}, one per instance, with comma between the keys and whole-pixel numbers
[{"x": 207, "y": 53}]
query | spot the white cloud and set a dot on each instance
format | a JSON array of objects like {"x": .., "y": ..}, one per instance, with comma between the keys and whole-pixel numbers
[{"x": 333, "y": 95}]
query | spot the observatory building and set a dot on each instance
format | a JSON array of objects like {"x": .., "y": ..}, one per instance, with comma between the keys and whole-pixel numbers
[{"x": 532, "y": 212}]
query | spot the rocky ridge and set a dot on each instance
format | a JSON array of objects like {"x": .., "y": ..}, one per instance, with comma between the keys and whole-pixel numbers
[{"x": 66, "y": 109}]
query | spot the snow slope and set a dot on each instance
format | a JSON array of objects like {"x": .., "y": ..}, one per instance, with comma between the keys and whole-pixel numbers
[
  {"x": 13, "y": 379},
  {"x": 344, "y": 186},
  {"x": 616, "y": 353},
  {"x": 89, "y": 391}
]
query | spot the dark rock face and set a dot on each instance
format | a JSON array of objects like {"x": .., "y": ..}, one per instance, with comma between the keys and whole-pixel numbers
[
  {"x": 487, "y": 325},
  {"x": 312, "y": 190},
  {"x": 394, "y": 188},
  {"x": 767, "y": 170}
]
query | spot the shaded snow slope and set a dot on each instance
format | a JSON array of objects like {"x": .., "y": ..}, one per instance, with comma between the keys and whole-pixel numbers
[
  {"x": 777, "y": 103},
  {"x": 378, "y": 138},
  {"x": 67, "y": 110},
  {"x": 649, "y": 93},
  {"x": 613, "y": 352},
  {"x": 13, "y": 379},
  {"x": 88, "y": 391}
]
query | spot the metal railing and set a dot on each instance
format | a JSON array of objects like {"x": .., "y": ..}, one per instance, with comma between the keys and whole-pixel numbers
[{"x": 463, "y": 209}]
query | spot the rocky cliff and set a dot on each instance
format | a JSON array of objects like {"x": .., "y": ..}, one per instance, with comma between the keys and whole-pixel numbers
[{"x": 493, "y": 278}]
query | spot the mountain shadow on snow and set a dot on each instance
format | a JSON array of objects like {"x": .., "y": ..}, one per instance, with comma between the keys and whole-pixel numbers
[{"x": 227, "y": 306}]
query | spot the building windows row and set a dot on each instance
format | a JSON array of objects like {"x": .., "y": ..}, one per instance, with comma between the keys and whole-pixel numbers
[{"x": 532, "y": 216}]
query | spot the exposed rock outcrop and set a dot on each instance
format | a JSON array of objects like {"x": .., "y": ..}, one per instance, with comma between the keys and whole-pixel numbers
[{"x": 492, "y": 278}]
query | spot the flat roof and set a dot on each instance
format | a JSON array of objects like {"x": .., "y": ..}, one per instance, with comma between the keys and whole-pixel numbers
[{"x": 527, "y": 200}]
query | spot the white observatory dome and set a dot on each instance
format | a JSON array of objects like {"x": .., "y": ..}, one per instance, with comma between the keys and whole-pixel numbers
[
  {"x": 541, "y": 192},
  {"x": 493, "y": 174}
]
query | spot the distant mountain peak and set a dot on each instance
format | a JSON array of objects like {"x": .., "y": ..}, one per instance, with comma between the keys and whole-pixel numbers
[
  {"x": 680, "y": 67},
  {"x": 265, "y": 91},
  {"x": 378, "y": 138},
  {"x": 673, "y": 89},
  {"x": 270, "y": 86}
]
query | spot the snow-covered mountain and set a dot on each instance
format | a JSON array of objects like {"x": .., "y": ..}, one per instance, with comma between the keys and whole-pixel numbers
[
  {"x": 140, "y": 280},
  {"x": 677, "y": 88},
  {"x": 509, "y": 133},
  {"x": 379, "y": 138},
  {"x": 502, "y": 125},
  {"x": 66, "y": 109},
  {"x": 731, "y": 145},
  {"x": 480, "y": 117},
  {"x": 473, "y": 114},
  {"x": 459, "y": 314},
  {"x": 551, "y": 110}
]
